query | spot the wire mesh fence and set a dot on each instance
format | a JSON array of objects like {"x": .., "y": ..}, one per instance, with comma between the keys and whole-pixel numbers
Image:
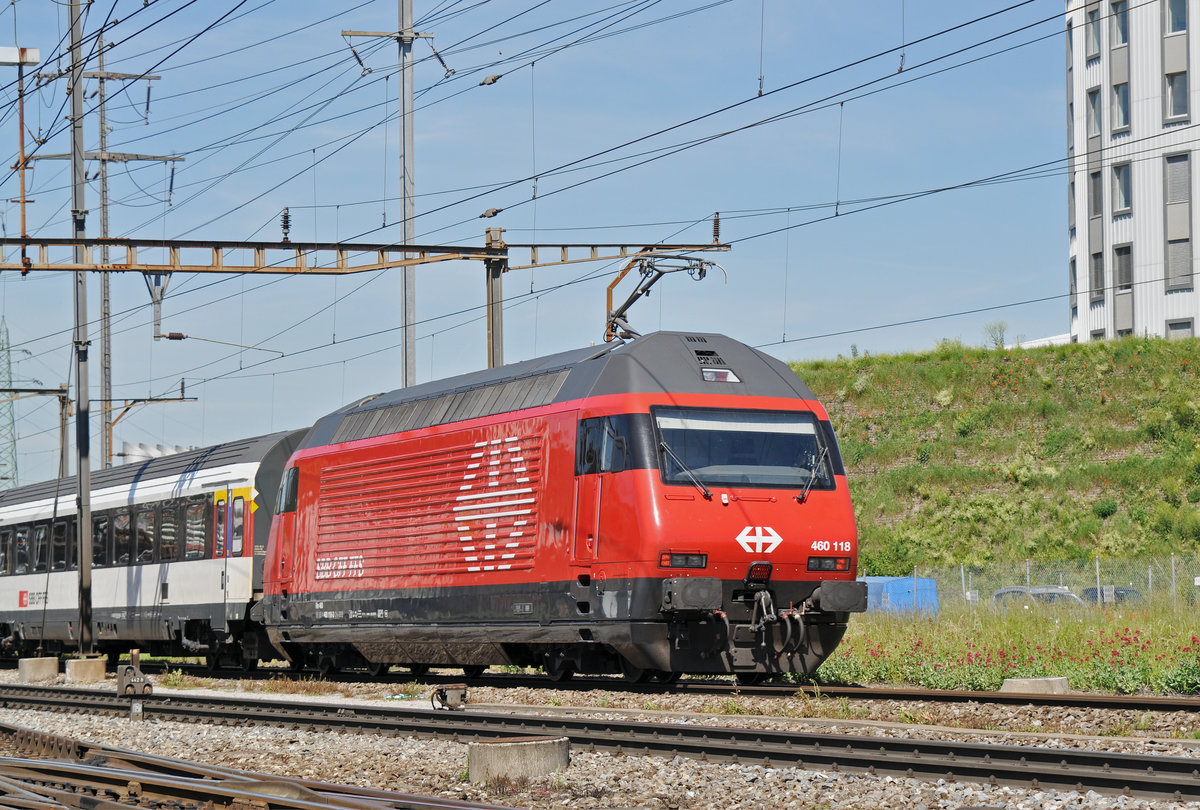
[{"x": 1172, "y": 581}]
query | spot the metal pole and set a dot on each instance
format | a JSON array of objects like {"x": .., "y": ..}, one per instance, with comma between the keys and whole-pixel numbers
[
  {"x": 1174, "y": 589},
  {"x": 408, "y": 358},
  {"x": 82, "y": 413},
  {"x": 1099, "y": 593},
  {"x": 105, "y": 303},
  {"x": 495, "y": 300}
]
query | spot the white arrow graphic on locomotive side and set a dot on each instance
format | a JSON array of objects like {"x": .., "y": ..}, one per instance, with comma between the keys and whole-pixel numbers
[{"x": 759, "y": 539}]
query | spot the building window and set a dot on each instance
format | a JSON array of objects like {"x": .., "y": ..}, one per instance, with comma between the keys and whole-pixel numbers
[
  {"x": 1179, "y": 264},
  {"x": 1098, "y": 334},
  {"x": 1097, "y": 282},
  {"x": 1071, "y": 206},
  {"x": 1093, "y": 112},
  {"x": 1176, "y": 16},
  {"x": 1179, "y": 178},
  {"x": 1123, "y": 266},
  {"x": 1095, "y": 194},
  {"x": 1092, "y": 33},
  {"x": 1178, "y": 330},
  {"x": 1122, "y": 188},
  {"x": 1071, "y": 126},
  {"x": 1120, "y": 23},
  {"x": 1072, "y": 281},
  {"x": 1177, "y": 94},
  {"x": 1120, "y": 112}
]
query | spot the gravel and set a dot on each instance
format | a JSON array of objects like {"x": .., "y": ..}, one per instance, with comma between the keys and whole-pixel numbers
[{"x": 436, "y": 768}]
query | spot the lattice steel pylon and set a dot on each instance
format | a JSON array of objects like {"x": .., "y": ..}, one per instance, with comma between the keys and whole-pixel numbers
[{"x": 8, "y": 430}]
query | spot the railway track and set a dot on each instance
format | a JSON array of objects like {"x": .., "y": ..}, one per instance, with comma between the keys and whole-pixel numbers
[
  {"x": 709, "y": 686},
  {"x": 1159, "y": 777},
  {"x": 65, "y": 773}
]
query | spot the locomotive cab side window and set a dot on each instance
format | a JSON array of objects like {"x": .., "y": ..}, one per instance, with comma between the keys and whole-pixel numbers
[
  {"x": 603, "y": 445},
  {"x": 287, "y": 491},
  {"x": 781, "y": 449},
  {"x": 5, "y": 543}
]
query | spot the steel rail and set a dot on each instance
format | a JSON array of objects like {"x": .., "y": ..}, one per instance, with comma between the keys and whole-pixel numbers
[
  {"x": 104, "y": 773},
  {"x": 1153, "y": 776},
  {"x": 694, "y": 686}
]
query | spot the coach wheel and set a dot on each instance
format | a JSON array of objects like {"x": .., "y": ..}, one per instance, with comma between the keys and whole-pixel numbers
[
  {"x": 634, "y": 674},
  {"x": 326, "y": 666},
  {"x": 296, "y": 664},
  {"x": 473, "y": 671},
  {"x": 558, "y": 669},
  {"x": 249, "y": 664},
  {"x": 212, "y": 660},
  {"x": 377, "y": 668},
  {"x": 417, "y": 670},
  {"x": 662, "y": 676}
]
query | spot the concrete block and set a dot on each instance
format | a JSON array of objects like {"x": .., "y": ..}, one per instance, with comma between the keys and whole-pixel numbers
[
  {"x": 85, "y": 670},
  {"x": 1036, "y": 686},
  {"x": 517, "y": 758},
  {"x": 31, "y": 670}
]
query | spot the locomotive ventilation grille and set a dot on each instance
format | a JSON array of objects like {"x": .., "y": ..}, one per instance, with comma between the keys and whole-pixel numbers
[
  {"x": 471, "y": 506},
  {"x": 488, "y": 400}
]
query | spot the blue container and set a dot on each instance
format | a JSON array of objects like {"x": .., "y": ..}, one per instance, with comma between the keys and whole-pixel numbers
[{"x": 898, "y": 595}]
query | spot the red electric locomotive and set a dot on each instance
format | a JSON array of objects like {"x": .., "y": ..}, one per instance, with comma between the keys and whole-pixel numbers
[{"x": 676, "y": 503}]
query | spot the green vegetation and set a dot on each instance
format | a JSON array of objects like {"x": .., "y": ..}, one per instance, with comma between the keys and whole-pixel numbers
[
  {"x": 1096, "y": 650},
  {"x": 972, "y": 455}
]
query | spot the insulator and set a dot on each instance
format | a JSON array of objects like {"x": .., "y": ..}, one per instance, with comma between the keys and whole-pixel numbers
[
  {"x": 286, "y": 222},
  {"x": 717, "y": 227}
]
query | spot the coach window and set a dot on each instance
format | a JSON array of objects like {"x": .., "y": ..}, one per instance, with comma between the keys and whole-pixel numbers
[
  {"x": 5, "y": 542},
  {"x": 239, "y": 526},
  {"x": 101, "y": 525},
  {"x": 60, "y": 547},
  {"x": 122, "y": 548},
  {"x": 145, "y": 535},
  {"x": 41, "y": 541},
  {"x": 168, "y": 532},
  {"x": 195, "y": 531},
  {"x": 21, "y": 550},
  {"x": 219, "y": 529}
]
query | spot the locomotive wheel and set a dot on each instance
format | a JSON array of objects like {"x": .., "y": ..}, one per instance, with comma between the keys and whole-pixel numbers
[
  {"x": 212, "y": 660},
  {"x": 634, "y": 674},
  {"x": 662, "y": 676},
  {"x": 750, "y": 678},
  {"x": 417, "y": 670},
  {"x": 473, "y": 670},
  {"x": 326, "y": 666},
  {"x": 249, "y": 664},
  {"x": 376, "y": 669}
]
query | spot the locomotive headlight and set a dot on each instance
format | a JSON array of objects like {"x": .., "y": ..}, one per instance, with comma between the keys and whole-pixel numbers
[
  {"x": 671, "y": 559},
  {"x": 719, "y": 375},
  {"x": 828, "y": 563}
]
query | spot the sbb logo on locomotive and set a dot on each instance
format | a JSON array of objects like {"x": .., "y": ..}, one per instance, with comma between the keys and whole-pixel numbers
[{"x": 759, "y": 539}]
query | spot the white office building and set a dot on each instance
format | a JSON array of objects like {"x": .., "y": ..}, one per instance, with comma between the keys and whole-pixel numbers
[{"x": 1133, "y": 125}]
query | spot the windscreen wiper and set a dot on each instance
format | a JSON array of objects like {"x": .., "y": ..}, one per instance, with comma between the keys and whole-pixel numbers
[
  {"x": 699, "y": 485},
  {"x": 803, "y": 496}
]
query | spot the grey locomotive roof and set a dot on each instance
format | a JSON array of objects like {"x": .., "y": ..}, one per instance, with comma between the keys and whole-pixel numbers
[
  {"x": 234, "y": 452},
  {"x": 661, "y": 362}
]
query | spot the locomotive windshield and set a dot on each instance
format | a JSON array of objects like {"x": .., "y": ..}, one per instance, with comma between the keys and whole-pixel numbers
[{"x": 755, "y": 448}]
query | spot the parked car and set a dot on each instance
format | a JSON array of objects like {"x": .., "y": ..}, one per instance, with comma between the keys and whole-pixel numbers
[
  {"x": 1037, "y": 595},
  {"x": 1121, "y": 595}
]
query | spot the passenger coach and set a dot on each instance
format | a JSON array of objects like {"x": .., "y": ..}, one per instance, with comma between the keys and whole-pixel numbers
[{"x": 177, "y": 549}]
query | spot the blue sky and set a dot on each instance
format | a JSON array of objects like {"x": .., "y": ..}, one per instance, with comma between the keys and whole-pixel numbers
[{"x": 266, "y": 104}]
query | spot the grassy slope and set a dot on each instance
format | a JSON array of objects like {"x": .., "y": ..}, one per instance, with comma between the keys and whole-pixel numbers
[{"x": 973, "y": 455}]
